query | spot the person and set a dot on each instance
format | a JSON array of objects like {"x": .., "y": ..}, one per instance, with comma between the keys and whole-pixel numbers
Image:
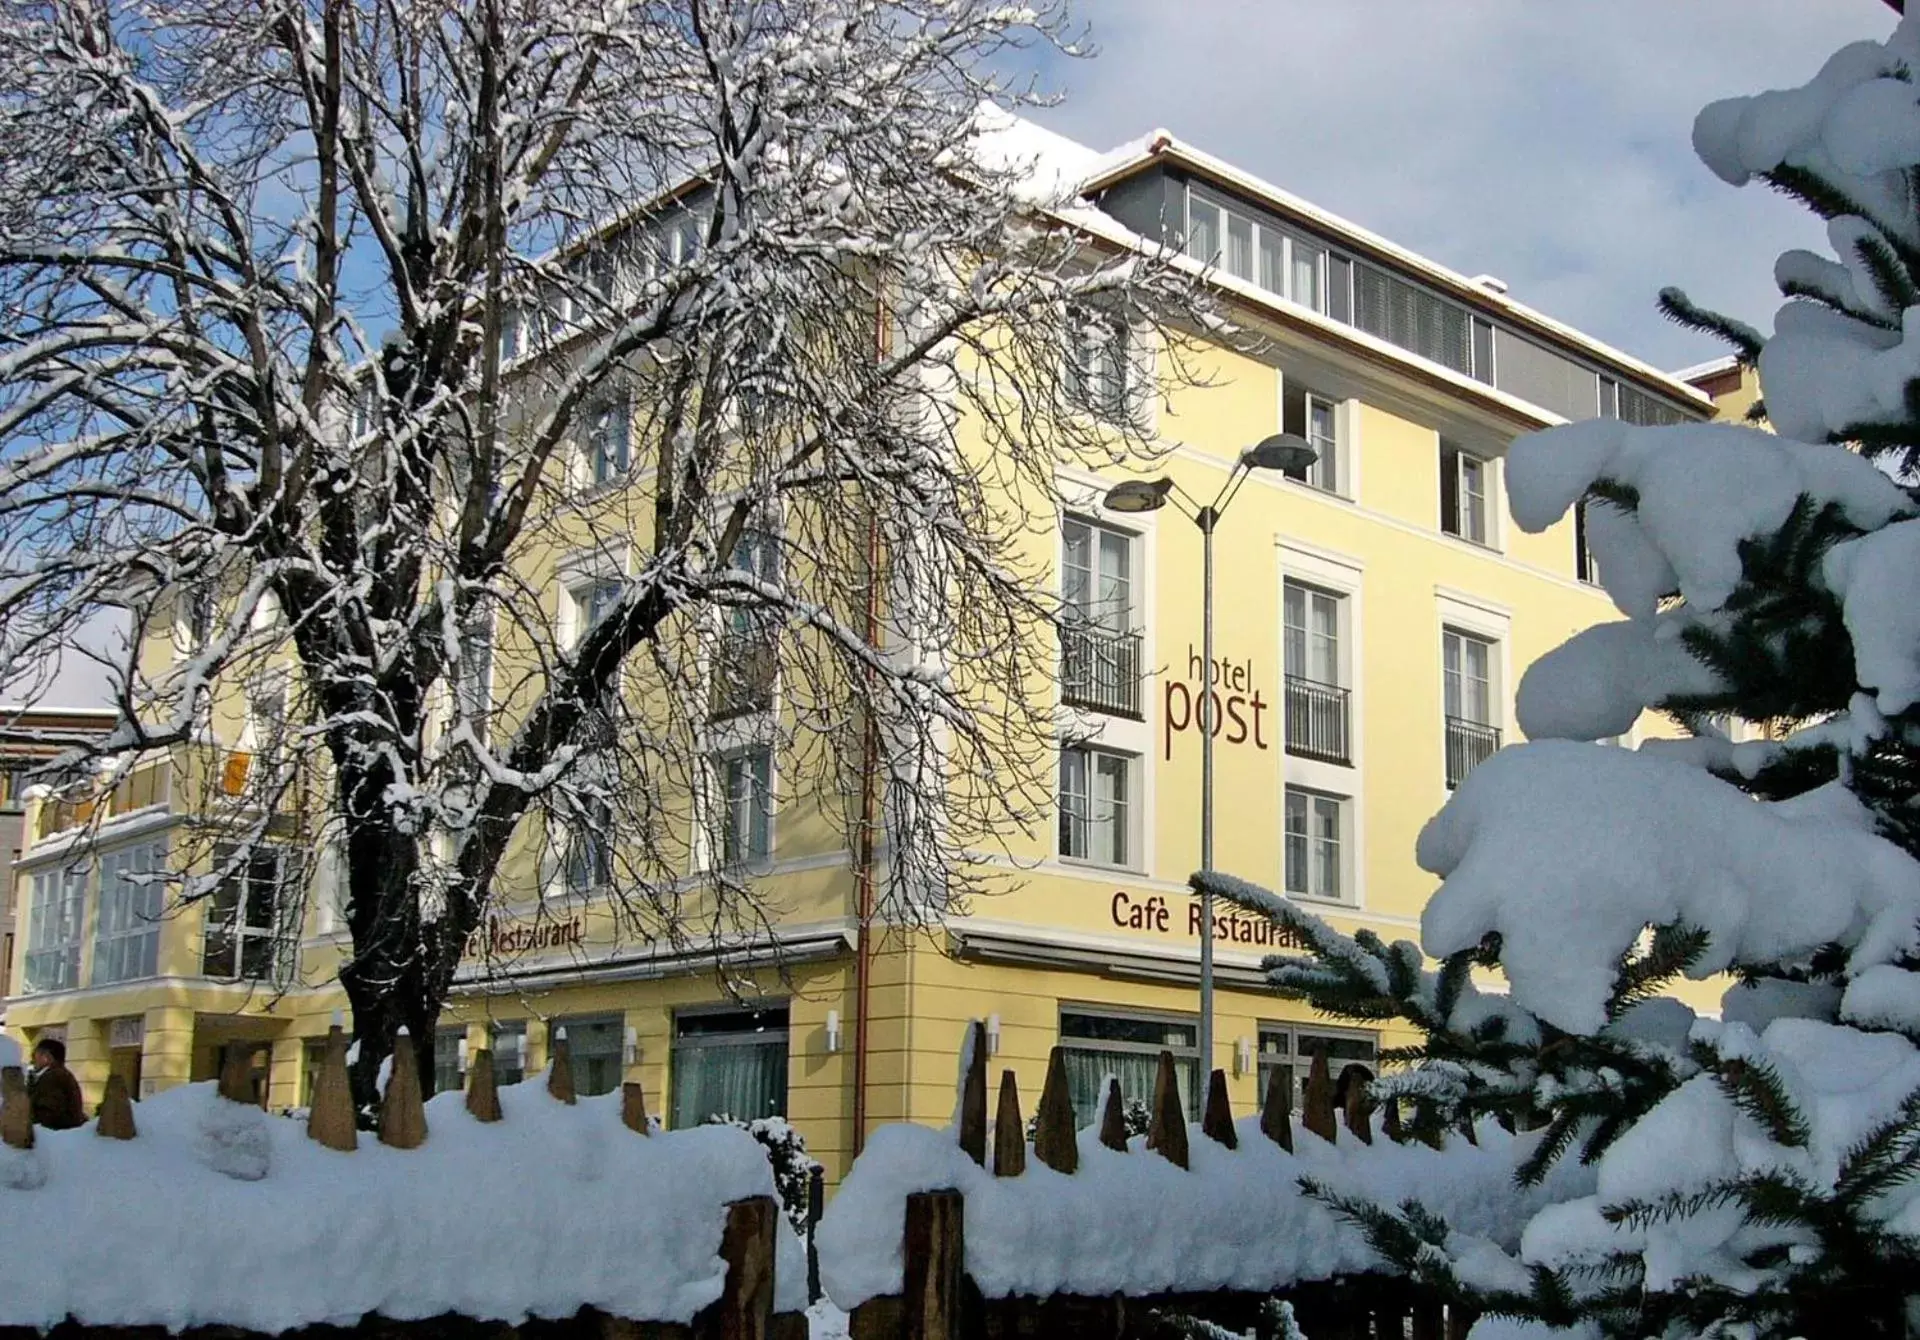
[{"x": 53, "y": 1092}]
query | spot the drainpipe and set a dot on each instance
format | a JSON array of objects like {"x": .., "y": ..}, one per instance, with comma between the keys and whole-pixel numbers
[{"x": 864, "y": 860}]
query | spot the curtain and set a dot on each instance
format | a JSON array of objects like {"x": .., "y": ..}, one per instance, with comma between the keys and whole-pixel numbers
[
  {"x": 741, "y": 1080},
  {"x": 1088, "y": 1068}
]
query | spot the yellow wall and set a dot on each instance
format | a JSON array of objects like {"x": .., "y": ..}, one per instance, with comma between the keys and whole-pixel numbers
[{"x": 1379, "y": 544}]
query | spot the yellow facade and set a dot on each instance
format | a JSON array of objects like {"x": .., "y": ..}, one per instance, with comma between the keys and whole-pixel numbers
[{"x": 1420, "y": 638}]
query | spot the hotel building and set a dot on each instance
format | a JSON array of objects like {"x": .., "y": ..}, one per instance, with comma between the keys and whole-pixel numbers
[{"x": 1375, "y": 613}]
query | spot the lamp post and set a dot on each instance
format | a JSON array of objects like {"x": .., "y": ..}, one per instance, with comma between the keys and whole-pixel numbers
[{"x": 1281, "y": 451}]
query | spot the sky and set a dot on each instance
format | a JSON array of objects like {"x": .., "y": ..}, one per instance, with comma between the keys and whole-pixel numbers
[{"x": 1546, "y": 142}]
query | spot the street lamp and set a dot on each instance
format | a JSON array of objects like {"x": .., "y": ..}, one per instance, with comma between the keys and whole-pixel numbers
[{"x": 1287, "y": 452}]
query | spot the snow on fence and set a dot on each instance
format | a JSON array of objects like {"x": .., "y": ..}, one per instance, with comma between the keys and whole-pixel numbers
[
  {"x": 933, "y": 1237},
  {"x": 515, "y": 1206}
]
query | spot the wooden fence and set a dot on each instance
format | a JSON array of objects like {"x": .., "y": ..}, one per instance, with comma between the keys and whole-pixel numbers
[
  {"x": 938, "y": 1302},
  {"x": 744, "y": 1310}
]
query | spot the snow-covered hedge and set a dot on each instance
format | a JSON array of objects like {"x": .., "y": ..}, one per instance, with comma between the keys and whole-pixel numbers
[
  {"x": 1135, "y": 1224},
  {"x": 552, "y": 1209}
]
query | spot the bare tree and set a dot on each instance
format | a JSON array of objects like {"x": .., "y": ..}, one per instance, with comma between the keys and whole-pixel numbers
[{"x": 340, "y": 335}]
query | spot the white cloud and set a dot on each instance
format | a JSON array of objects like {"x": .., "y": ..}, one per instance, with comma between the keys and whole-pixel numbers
[{"x": 1543, "y": 141}]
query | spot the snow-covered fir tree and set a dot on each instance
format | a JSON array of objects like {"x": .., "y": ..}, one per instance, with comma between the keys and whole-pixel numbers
[
  {"x": 1754, "y": 1174},
  {"x": 327, "y": 322}
]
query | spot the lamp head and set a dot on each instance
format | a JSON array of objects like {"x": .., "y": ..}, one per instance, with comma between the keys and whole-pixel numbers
[
  {"x": 1138, "y": 495},
  {"x": 1287, "y": 452}
]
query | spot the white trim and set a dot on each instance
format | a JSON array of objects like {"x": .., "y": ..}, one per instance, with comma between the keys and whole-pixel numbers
[{"x": 1340, "y": 574}]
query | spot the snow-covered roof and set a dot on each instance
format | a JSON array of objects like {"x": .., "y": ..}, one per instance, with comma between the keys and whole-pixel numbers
[
  {"x": 1162, "y": 145},
  {"x": 1713, "y": 367}
]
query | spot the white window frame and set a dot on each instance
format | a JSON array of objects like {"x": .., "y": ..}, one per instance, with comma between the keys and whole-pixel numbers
[
  {"x": 56, "y": 929},
  {"x": 127, "y": 917},
  {"x": 282, "y": 939},
  {"x": 580, "y": 590},
  {"x": 1299, "y": 1063},
  {"x": 1489, "y": 537},
  {"x": 600, "y": 418},
  {"x": 1260, "y": 238},
  {"x": 1488, "y": 683},
  {"x": 1127, "y": 618},
  {"x": 1101, "y": 372},
  {"x": 1333, "y": 472},
  {"x": 1315, "y": 806},
  {"x": 1187, "y": 1060},
  {"x": 730, "y": 809},
  {"x": 1462, "y": 613},
  {"x": 1127, "y": 831},
  {"x": 594, "y": 838}
]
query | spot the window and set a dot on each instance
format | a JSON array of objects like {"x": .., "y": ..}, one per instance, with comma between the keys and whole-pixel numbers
[
  {"x": 252, "y": 916},
  {"x": 1318, "y": 707},
  {"x": 1291, "y": 1051},
  {"x": 598, "y": 1048},
  {"x": 729, "y": 1063},
  {"x": 746, "y": 664},
  {"x": 1096, "y": 806},
  {"x": 1099, "y": 647},
  {"x": 1463, "y": 493},
  {"x": 447, "y": 1043},
  {"x": 1128, "y": 1047},
  {"x": 1313, "y": 417},
  {"x": 1203, "y": 230},
  {"x": 1239, "y": 258},
  {"x": 1584, "y": 566},
  {"x": 313, "y": 1056},
  {"x": 589, "y": 858},
  {"x": 1099, "y": 345},
  {"x": 1469, "y": 671},
  {"x": 591, "y": 601},
  {"x": 1097, "y": 580},
  {"x": 609, "y": 441},
  {"x": 1304, "y": 284},
  {"x": 746, "y": 805},
  {"x": 126, "y": 943},
  {"x": 473, "y": 682},
  {"x": 1404, "y": 314},
  {"x": 53, "y": 929},
  {"x": 508, "y": 1042},
  {"x": 1313, "y": 844},
  {"x": 1467, "y": 663}
]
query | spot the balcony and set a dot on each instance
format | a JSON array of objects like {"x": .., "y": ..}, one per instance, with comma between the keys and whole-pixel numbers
[
  {"x": 1318, "y": 720},
  {"x": 148, "y": 784},
  {"x": 1100, "y": 670},
  {"x": 1468, "y": 744}
]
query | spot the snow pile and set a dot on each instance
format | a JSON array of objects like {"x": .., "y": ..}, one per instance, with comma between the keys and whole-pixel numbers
[
  {"x": 1857, "y": 125},
  {"x": 1845, "y": 1082},
  {"x": 1135, "y": 1224},
  {"x": 1570, "y": 851},
  {"x": 549, "y": 1210},
  {"x": 1704, "y": 490}
]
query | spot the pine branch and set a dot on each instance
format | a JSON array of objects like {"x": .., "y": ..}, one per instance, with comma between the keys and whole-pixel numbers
[
  {"x": 1757, "y": 1089},
  {"x": 1674, "y": 949},
  {"x": 1676, "y": 306}
]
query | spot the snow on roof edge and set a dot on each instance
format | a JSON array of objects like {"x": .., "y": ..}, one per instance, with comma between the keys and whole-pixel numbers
[{"x": 1712, "y": 367}]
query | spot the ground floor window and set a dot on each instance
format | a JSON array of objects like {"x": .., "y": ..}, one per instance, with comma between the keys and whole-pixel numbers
[
  {"x": 729, "y": 1063},
  {"x": 446, "y": 1060},
  {"x": 313, "y": 1055},
  {"x": 597, "y": 1044},
  {"x": 509, "y": 1045},
  {"x": 1127, "y": 1047},
  {"x": 1291, "y": 1051}
]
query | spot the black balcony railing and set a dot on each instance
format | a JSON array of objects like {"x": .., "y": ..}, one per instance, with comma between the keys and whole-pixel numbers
[
  {"x": 1468, "y": 744},
  {"x": 1317, "y": 721},
  {"x": 1100, "y": 670}
]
